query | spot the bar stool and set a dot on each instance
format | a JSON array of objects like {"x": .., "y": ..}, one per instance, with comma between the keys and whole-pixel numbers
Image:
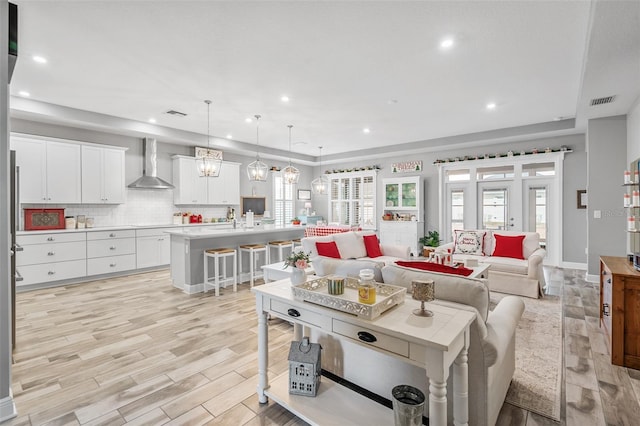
[
  {"x": 280, "y": 245},
  {"x": 220, "y": 254},
  {"x": 253, "y": 250}
]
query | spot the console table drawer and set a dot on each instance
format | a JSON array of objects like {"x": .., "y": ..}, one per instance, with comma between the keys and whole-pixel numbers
[
  {"x": 371, "y": 337},
  {"x": 300, "y": 314}
]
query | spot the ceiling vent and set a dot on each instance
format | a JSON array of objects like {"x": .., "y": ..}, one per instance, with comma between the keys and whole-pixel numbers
[
  {"x": 176, "y": 113},
  {"x": 602, "y": 101}
]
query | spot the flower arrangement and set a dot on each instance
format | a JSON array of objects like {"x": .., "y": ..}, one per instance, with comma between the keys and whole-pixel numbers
[{"x": 298, "y": 259}]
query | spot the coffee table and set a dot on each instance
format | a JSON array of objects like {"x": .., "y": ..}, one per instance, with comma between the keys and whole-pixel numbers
[{"x": 277, "y": 271}]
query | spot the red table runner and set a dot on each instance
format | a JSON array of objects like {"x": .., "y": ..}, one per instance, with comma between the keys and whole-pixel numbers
[{"x": 435, "y": 267}]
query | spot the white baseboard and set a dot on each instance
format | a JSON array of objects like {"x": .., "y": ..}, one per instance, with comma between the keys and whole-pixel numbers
[
  {"x": 7, "y": 408},
  {"x": 574, "y": 265},
  {"x": 593, "y": 278}
]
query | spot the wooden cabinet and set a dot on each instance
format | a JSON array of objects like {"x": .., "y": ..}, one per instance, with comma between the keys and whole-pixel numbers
[
  {"x": 50, "y": 171},
  {"x": 620, "y": 310},
  {"x": 102, "y": 175},
  {"x": 51, "y": 257},
  {"x": 193, "y": 189},
  {"x": 153, "y": 247},
  {"x": 403, "y": 193},
  {"x": 405, "y": 233},
  {"x": 225, "y": 189}
]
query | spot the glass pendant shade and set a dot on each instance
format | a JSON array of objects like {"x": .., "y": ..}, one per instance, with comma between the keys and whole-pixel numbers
[
  {"x": 290, "y": 174},
  {"x": 208, "y": 161},
  {"x": 257, "y": 171},
  {"x": 320, "y": 185}
]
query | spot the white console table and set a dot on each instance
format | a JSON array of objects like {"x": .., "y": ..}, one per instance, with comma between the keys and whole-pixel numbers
[{"x": 435, "y": 343}]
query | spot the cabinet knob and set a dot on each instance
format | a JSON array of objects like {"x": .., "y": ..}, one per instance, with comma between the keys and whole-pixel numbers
[
  {"x": 366, "y": 337},
  {"x": 605, "y": 309},
  {"x": 51, "y": 272},
  {"x": 111, "y": 235},
  {"x": 112, "y": 248},
  {"x": 293, "y": 313},
  {"x": 51, "y": 253},
  {"x": 51, "y": 239},
  {"x": 113, "y": 265}
]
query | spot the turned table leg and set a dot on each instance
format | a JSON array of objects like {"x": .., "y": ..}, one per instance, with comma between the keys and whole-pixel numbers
[{"x": 263, "y": 355}]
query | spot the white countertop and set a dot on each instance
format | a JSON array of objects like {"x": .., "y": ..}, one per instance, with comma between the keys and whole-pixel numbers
[
  {"x": 198, "y": 233},
  {"x": 113, "y": 228}
]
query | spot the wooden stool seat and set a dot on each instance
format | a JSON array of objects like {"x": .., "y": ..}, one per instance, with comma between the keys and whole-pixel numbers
[
  {"x": 220, "y": 254},
  {"x": 252, "y": 246},
  {"x": 280, "y": 245}
]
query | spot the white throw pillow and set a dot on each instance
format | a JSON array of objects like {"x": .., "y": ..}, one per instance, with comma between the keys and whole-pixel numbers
[
  {"x": 469, "y": 242},
  {"x": 350, "y": 245}
]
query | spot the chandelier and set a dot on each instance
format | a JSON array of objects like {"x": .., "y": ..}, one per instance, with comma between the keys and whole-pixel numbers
[
  {"x": 257, "y": 170},
  {"x": 291, "y": 174},
  {"x": 208, "y": 161},
  {"x": 320, "y": 185}
]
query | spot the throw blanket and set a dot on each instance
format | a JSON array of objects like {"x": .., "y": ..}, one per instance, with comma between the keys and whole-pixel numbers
[{"x": 435, "y": 267}]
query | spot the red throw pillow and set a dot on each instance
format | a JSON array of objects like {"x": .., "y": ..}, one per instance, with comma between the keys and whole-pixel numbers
[
  {"x": 372, "y": 245},
  {"x": 508, "y": 246},
  {"x": 329, "y": 249}
]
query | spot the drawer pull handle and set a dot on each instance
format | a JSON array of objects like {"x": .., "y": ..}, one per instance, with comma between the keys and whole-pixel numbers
[
  {"x": 51, "y": 239},
  {"x": 112, "y": 235},
  {"x": 366, "y": 337},
  {"x": 609, "y": 281},
  {"x": 605, "y": 310},
  {"x": 293, "y": 313},
  {"x": 113, "y": 265},
  {"x": 51, "y": 253},
  {"x": 112, "y": 248},
  {"x": 51, "y": 272}
]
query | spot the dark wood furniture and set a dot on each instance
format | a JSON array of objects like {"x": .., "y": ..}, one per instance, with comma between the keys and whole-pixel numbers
[{"x": 620, "y": 309}]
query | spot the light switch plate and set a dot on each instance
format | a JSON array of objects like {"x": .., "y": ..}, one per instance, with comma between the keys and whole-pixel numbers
[{"x": 597, "y": 214}]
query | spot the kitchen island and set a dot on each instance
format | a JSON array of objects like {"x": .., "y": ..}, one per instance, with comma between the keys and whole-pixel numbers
[{"x": 188, "y": 246}]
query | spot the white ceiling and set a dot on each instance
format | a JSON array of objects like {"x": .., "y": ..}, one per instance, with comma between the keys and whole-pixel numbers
[{"x": 345, "y": 65}]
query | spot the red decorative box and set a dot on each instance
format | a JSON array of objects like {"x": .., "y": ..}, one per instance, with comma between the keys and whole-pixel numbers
[{"x": 40, "y": 219}]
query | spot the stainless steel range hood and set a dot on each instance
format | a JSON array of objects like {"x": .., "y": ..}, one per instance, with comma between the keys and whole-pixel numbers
[{"x": 149, "y": 178}]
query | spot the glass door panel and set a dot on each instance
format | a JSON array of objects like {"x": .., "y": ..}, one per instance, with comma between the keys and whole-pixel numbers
[
  {"x": 494, "y": 208},
  {"x": 391, "y": 193},
  {"x": 409, "y": 195}
]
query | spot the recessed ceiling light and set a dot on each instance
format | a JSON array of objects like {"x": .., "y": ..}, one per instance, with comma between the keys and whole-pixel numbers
[
  {"x": 152, "y": 120},
  {"x": 447, "y": 43},
  {"x": 284, "y": 98},
  {"x": 24, "y": 93},
  {"x": 248, "y": 120},
  {"x": 491, "y": 106},
  {"x": 229, "y": 136},
  {"x": 40, "y": 59},
  {"x": 366, "y": 130}
]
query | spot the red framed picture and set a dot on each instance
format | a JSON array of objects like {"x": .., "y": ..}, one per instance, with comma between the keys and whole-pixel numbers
[{"x": 41, "y": 219}]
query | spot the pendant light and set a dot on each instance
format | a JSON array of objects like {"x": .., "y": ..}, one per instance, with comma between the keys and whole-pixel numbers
[
  {"x": 208, "y": 161},
  {"x": 320, "y": 185},
  {"x": 257, "y": 170},
  {"x": 291, "y": 174}
]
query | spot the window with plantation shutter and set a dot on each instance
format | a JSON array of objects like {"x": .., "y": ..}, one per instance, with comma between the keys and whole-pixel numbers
[
  {"x": 352, "y": 199},
  {"x": 283, "y": 201}
]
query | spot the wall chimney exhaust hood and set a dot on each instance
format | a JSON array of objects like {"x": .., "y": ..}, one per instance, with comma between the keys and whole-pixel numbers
[{"x": 149, "y": 178}]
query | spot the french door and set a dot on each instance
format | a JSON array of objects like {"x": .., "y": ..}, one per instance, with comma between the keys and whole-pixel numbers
[{"x": 499, "y": 206}]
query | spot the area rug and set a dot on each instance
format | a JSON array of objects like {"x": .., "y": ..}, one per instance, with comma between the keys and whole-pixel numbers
[{"x": 536, "y": 384}]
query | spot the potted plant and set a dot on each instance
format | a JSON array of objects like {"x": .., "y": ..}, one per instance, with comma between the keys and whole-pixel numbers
[
  {"x": 295, "y": 221},
  {"x": 429, "y": 242}
]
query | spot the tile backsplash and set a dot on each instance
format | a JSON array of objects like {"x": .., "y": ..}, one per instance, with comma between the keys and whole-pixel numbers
[{"x": 142, "y": 207}]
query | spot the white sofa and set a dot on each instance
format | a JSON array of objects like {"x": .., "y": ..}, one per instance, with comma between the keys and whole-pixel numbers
[
  {"x": 492, "y": 345},
  {"x": 353, "y": 254},
  {"x": 509, "y": 275}
]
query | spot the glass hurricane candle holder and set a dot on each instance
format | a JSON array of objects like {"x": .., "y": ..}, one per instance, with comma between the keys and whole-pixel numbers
[{"x": 422, "y": 290}]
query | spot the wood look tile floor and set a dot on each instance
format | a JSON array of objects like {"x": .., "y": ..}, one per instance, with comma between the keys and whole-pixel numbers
[{"x": 134, "y": 350}]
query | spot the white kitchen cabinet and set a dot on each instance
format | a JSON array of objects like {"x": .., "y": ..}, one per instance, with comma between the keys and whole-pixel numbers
[
  {"x": 404, "y": 233},
  {"x": 225, "y": 189},
  {"x": 190, "y": 188},
  {"x": 50, "y": 171},
  {"x": 51, "y": 257},
  {"x": 102, "y": 175},
  {"x": 403, "y": 193},
  {"x": 153, "y": 247},
  {"x": 111, "y": 251}
]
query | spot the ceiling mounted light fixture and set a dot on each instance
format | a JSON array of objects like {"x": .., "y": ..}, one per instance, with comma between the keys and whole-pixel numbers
[
  {"x": 320, "y": 185},
  {"x": 208, "y": 161},
  {"x": 291, "y": 174},
  {"x": 257, "y": 170}
]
